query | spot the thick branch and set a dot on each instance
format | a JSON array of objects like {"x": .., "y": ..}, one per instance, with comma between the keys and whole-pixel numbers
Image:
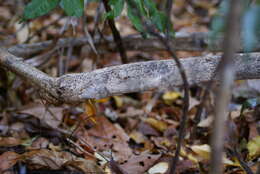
[
  {"x": 134, "y": 77},
  {"x": 198, "y": 41},
  {"x": 183, "y": 42}
]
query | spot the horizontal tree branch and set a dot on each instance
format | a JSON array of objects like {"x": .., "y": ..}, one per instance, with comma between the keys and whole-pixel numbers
[
  {"x": 183, "y": 42},
  {"x": 134, "y": 77}
]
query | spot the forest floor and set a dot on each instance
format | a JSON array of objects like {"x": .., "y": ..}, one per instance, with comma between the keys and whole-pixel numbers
[{"x": 128, "y": 134}]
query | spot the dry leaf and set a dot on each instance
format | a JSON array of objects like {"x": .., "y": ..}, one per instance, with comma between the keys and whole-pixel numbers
[
  {"x": 253, "y": 147},
  {"x": 203, "y": 152},
  {"x": 9, "y": 141},
  {"x": 90, "y": 111},
  {"x": 140, "y": 163},
  {"x": 51, "y": 115},
  {"x": 157, "y": 124},
  {"x": 159, "y": 168},
  {"x": 106, "y": 136},
  {"x": 119, "y": 101},
  {"x": 8, "y": 160},
  {"x": 22, "y": 32},
  {"x": 206, "y": 122},
  {"x": 170, "y": 97}
]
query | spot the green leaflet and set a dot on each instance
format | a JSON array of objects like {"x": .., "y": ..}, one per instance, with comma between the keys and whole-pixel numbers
[
  {"x": 160, "y": 21},
  {"x": 158, "y": 18},
  {"x": 251, "y": 28},
  {"x": 73, "y": 7},
  {"x": 38, "y": 8},
  {"x": 151, "y": 7},
  {"x": 117, "y": 8},
  {"x": 136, "y": 21}
]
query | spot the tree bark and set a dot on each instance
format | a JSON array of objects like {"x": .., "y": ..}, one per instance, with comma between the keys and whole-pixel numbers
[{"x": 183, "y": 41}]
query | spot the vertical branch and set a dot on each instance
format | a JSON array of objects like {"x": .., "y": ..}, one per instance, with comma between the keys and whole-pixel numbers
[
  {"x": 168, "y": 10},
  {"x": 170, "y": 49},
  {"x": 227, "y": 72},
  {"x": 116, "y": 35},
  {"x": 185, "y": 109}
]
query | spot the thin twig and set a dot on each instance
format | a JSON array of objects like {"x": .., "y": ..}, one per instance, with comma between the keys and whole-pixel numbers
[
  {"x": 45, "y": 27},
  {"x": 242, "y": 163},
  {"x": 166, "y": 43},
  {"x": 168, "y": 10},
  {"x": 116, "y": 35},
  {"x": 227, "y": 73}
]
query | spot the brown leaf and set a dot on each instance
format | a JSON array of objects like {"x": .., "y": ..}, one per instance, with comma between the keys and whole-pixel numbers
[
  {"x": 140, "y": 163},
  {"x": 106, "y": 136},
  {"x": 157, "y": 124},
  {"x": 146, "y": 129},
  {"x": 51, "y": 115},
  {"x": 114, "y": 166},
  {"x": 56, "y": 160},
  {"x": 8, "y": 160},
  {"x": 9, "y": 141}
]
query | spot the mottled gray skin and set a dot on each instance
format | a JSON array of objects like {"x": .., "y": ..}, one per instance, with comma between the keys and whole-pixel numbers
[
  {"x": 134, "y": 77},
  {"x": 143, "y": 76}
]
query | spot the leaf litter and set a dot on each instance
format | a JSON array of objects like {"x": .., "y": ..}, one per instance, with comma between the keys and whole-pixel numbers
[{"x": 132, "y": 133}]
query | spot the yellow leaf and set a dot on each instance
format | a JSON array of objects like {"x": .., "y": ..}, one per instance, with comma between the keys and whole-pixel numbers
[
  {"x": 102, "y": 100},
  {"x": 160, "y": 167},
  {"x": 253, "y": 147},
  {"x": 137, "y": 136},
  {"x": 90, "y": 110},
  {"x": 170, "y": 96},
  {"x": 119, "y": 101},
  {"x": 159, "y": 125},
  {"x": 203, "y": 151}
]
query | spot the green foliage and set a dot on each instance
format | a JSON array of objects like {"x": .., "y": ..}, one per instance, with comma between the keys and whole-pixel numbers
[
  {"x": 250, "y": 23},
  {"x": 251, "y": 27},
  {"x": 158, "y": 18},
  {"x": 218, "y": 24},
  {"x": 73, "y": 7},
  {"x": 38, "y": 8},
  {"x": 146, "y": 8},
  {"x": 250, "y": 103},
  {"x": 117, "y": 8},
  {"x": 136, "y": 21}
]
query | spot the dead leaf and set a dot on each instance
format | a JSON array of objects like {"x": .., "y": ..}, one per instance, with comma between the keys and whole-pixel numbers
[
  {"x": 56, "y": 160},
  {"x": 140, "y": 163},
  {"x": 203, "y": 152},
  {"x": 170, "y": 96},
  {"x": 90, "y": 111},
  {"x": 157, "y": 124},
  {"x": 106, "y": 136},
  {"x": 87, "y": 166},
  {"x": 146, "y": 129},
  {"x": 206, "y": 122},
  {"x": 8, "y": 160},
  {"x": 51, "y": 115},
  {"x": 114, "y": 166},
  {"x": 158, "y": 168},
  {"x": 253, "y": 147},
  {"x": 9, "y": 141},
  {"x": 22, "y": 32},
  {"x": 119, "y": 101}
]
